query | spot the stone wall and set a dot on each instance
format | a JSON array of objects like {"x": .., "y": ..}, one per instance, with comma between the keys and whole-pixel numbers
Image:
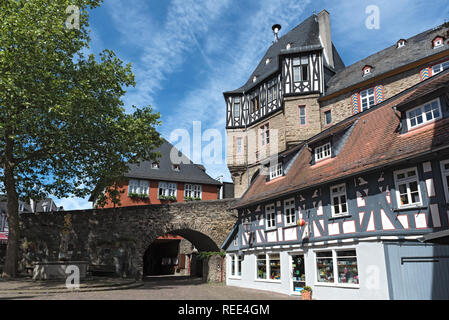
[{"x": 117, "y": 238}]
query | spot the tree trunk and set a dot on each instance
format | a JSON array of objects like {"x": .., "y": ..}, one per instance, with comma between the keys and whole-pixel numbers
[{"x": 10, "y": 268}]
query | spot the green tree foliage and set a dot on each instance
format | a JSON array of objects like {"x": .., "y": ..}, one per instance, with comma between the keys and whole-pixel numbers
[{"x": 63, "y": 127}]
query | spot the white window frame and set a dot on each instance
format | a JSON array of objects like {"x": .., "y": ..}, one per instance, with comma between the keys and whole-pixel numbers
[
  {"x": 168, "y": 188},
  {"x": 338, "y": 195},
  {"x": 335, "y": 267},
  {"x": 441, "y": 67},
  {"x": 401, "y": 43},
  {"x": 299, "y": 64},
  {"x": 367, "y": 98},
  {"x": 423, "y": 114},
  {"x": 290, "y": 212},
  {"x": 276, "y": 171},
  {"x": 193, "y": 190},
  {"x": 321, "y": 152},
  {"x": 366, "y": 71},
  {"x": 155, "y": 165},
  {"x": 270, "y": 217},
  {"x": 235, "y": 271},
  {"x": 268, "y": 267},
  {"x": 444, "y": 174},
  {"x": 436, "y": 45},
  {"x": 407, "y": 181},
  {"x": 139, "y": 186}
]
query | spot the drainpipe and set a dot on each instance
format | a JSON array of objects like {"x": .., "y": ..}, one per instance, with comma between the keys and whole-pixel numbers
[{"x": 221, "y": 269}]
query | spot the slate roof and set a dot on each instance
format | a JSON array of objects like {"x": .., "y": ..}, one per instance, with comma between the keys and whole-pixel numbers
[
  {"x": 416, "y": 48},
  {"x": 189, "y": 172},
  {"x": 381, "y": 145},
  {"x": 27, "y": 208},
  {"x": 304, "y": 37}
]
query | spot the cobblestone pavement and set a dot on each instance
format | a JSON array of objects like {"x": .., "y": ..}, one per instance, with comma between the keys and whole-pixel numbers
[{"x": 163, "y": 289}]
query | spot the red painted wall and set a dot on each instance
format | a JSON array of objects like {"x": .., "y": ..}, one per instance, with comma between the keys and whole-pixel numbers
[{"x": 210, "y": 192}]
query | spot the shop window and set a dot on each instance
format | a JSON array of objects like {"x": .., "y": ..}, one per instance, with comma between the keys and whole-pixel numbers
[
  {"x": 269, "y": 267},
  {"x": 408, "y": 192},
  {"x": 347, "y": 267},
  {"x": 236, "y": 265},
  {"x": 325, "y": 267},
  {"x": 261, "y": 266}
]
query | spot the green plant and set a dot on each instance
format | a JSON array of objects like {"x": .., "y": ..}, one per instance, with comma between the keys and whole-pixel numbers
[
  {"x": 170, "y": 198},
  {"x": 192, "y": 199},
  {"x": 307, "y": 289},
  {"x": 137, "y": 196},
  {"x": 208, "y": 254}
]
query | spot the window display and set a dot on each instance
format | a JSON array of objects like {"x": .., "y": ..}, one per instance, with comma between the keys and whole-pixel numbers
[
  {"x": 275, "y": 266},
  {"x": 325, "y": 267},
  {"x": 347, "y": 267},
  {"x": 298, "y": 273},
  {"x": 261, "y": 266}
]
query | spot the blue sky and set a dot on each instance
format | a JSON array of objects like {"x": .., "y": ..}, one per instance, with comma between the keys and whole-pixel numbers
[{"x": 185, "y": 53}]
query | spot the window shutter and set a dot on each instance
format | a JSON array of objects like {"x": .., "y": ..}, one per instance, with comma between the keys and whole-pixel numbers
[
  {"x": 355, "y": 103},
  {"x": 379, "y": 94},
  {"x": 425, "y": 74}
]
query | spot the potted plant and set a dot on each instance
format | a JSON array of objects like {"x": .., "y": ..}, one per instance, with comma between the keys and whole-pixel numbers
[{"x": 306, "y": 293}]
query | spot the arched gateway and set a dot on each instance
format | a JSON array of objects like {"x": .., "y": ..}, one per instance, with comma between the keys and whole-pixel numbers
[{"x": 115, "y": 240}]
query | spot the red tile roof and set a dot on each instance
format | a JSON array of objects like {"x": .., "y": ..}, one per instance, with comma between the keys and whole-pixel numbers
[{"x": 374, "y": 142}]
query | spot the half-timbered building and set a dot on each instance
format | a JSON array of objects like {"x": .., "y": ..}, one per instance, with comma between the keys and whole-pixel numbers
[{"x": 358, "y": 210}]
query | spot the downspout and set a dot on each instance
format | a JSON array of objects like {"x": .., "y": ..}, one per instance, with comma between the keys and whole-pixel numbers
[{"x": 221, "y": 269}]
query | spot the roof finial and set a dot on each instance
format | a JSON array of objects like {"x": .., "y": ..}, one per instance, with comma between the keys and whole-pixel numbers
[{"x": 276, "y": 28}]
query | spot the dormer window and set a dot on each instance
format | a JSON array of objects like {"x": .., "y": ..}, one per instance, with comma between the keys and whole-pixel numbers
[
  {"x": 438, "y": 42},
  {"x": 367, "y": 70},
  {"x": 300, "y": 69},
  {"x": 323, "y": 152},
  {"x": 276, "y": 171},
  {"x": 155, "y": 165},
  {"x": 176, "y": 167},
  {"x": 289, "y": 45},
  {"x": 254, "y": 78},
  {"x": 423, "y": 114},
  {"x": 401, "y": 43},
  {"x": 267, "y": 61}
]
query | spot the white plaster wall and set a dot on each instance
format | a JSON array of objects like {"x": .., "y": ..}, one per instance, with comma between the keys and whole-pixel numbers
[{"x": 371, "y": 267}]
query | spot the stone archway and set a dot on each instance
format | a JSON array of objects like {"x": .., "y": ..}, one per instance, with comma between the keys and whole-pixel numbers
[{"x": 117, "y": 238}]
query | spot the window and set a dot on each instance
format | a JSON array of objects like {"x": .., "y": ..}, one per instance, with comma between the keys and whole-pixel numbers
[
  {"x": 264, "y": 134},
  {"x": 366, "y": 70},
  {"x": 325, "y": 267},
  {"x": 323, "y": 152},
  {"x": 139, "y": 187},
  {"x": 270, "y": 217},
  {"x": 237, "y": 107},
  {"x": 445, "y": 175},
  {"x": 440, "y": 67},
  {"x": 276, "y": 171},
  {"x": 193, "y": 191},
  {"x": 300, "y": 69},
  {"x": 338, "y": 198},
  {"x": 167, "y": 189},
  {"x": 401, "y": 43},
  {"x": 239, "y": 146},
  {"x": 438, "y": 42},
  {"x": 328, "y": 116},
  {"x": 254, "y": 104},
  {"x": 424, "y": 114},
  {"x": 269, "y": 266},
  {"x": 302, "y": 115},
  {"x": 408, "y": 192},
  {"x": 155, "y": 165},
  {"x": 261, "y": 266},
  {"x": 346, "y": 272},
  {"x": 236, "y": 265},
  {"x": 347, "y": 269},
  {"x": 272, "y": 93},
  {"x": 367, "y": 99},
  {"x": 176, "y": 167},
  {"x": 289, "y": 212}
]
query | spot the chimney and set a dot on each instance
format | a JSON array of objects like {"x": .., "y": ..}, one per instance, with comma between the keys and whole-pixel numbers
[
  {"x": 276, "y": 28},
  {"x": 324, "y": 23}
]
